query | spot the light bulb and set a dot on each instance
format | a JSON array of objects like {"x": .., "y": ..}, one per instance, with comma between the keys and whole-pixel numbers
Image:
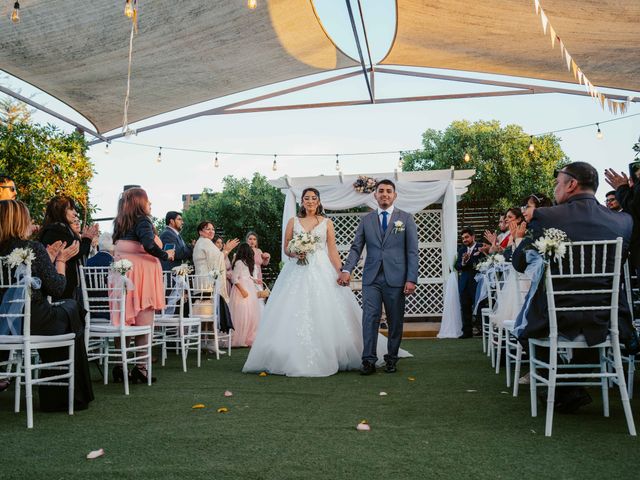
[
  {"x": 275, "y": 164},
  {"x": 599, "y": 134},
  {"x": 400, "y": 162},
  {"x": 15, "y": 15},
  {"x": 467, "y": 157},
  {"x": 106, "y": 148},
  {"x": 337, "y": 163},
  {"x": 159, "y": 158},
  {"x": 215, "y": 162},
  {"x": 128, "y": 9},
  {"x": 531, "y": 147},
  {"x": 252, "y": 4}
]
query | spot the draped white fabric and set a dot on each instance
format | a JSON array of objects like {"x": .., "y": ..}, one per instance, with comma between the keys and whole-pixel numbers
[{"x": 412, "y": 197}]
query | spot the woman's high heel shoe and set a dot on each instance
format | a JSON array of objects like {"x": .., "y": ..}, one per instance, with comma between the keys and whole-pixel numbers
[
  {"x": 140, "y": 376},
  {"x": 118, "y": 374}
]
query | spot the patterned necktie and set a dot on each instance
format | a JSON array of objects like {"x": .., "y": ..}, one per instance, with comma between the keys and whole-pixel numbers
[{"x": 384, "y": 221}]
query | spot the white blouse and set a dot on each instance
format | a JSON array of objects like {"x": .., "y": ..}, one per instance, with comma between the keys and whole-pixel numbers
[{"x": 208, "y": 257}]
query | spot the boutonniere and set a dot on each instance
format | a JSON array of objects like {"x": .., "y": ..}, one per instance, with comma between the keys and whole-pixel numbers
[{"x": 398, "y": 226}]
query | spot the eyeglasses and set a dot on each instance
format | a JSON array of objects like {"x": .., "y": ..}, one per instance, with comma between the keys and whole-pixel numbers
[
  {"x": 558, "y": 172},
  {"x": 10, "y": 187},
  {"x": 610, "y": 200}
]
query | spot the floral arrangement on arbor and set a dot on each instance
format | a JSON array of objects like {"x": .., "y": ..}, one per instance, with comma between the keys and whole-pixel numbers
[{"x": 364, "y": 184}]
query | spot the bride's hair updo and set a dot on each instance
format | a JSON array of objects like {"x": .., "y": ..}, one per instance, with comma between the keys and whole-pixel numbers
[{"x": 303, "y": 212}]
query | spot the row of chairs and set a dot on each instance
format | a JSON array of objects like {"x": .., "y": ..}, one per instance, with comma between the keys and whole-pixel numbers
[
  {"x": 583, "y": 261},
  {"x": 104, "y": 297}
]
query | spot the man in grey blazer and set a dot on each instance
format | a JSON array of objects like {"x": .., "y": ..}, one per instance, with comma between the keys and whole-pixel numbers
[{"x": 390, "y": 273}]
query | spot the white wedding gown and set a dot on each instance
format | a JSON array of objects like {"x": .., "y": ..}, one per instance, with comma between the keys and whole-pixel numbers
[{"x": 311, "y": 326}]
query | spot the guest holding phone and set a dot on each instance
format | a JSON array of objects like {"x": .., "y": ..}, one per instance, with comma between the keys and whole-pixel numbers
[
  {"x": 136, "y": 240},
  {"x": 171, "y": 236}
]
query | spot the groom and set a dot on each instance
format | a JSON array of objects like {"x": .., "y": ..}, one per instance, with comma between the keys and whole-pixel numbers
[{"x": 390, "y": 273}]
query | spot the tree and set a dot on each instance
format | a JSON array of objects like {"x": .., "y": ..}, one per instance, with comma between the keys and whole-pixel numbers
[
  {"x": 242, "y": 206},
  {"x": 506, "y": 171},
  {"x": 44, "y": 162}
]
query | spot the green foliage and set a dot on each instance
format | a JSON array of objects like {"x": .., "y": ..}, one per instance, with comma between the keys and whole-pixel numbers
[
  {"x": 44, "y": 162},
  {"x": 506, "y": 171},
  {"x": 242, "y": 206}
]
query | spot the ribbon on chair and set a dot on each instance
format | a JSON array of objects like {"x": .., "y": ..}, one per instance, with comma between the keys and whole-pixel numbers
[
  {"x": 12, "y": 306},
  {"x": 180, "y": 286},
  {"x": 535, "y": 271},
  {"x": 120, "y": 281}
]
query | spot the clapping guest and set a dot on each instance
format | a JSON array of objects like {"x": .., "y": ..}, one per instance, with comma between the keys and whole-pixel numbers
[
  {"x": 513, "y": 217},
  {"x": 219, "y": 242},
  {"x": 61, "y": 226},
  {"x": 469, "y": 255},
  {"x": 104, "y": 256},
  {"x": 47, "y": 319},
  {"x": 135, "y": 239},
  {"x": 245, "y": 305},
  {"x": 261, "y": 258}
]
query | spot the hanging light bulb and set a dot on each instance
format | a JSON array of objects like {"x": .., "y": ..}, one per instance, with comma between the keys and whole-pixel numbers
[
  {"x": 599, "y": 134},
  {"x": 275, "y": 163},
  {"x": 106, "y": 148},
  {"x": 467, "y": 157},
  {"x": 337, "y": 163},
  {"x": 15, "y": 15},
  {"x": 128, "y": 9},
  {"x": 216, "y": 163},
  {"x": 159, "y": 158},
  {"x": 400, "y": 162},
  {"x": 252, "y": 4},
  {"x": 531, "y": 147}
]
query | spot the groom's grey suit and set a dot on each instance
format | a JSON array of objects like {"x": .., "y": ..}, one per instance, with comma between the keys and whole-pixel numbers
[{"x": 392, "y": 260}]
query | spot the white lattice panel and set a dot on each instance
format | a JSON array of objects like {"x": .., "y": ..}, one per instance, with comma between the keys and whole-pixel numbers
[{"x": 427, "y": 301}]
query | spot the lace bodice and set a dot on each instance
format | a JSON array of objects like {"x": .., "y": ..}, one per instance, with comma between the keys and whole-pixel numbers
[{"x": 319, "y": 231}]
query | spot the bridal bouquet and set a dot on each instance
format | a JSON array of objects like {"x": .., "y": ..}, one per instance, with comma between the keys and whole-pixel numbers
[
  {"x": 553, "y": 244},
  {"x": 303, "y": 243},
  {"x": 122, "y": 266},
  {"x": 20, "y": 256}
]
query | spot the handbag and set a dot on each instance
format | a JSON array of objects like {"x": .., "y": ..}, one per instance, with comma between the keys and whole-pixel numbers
[{"x": 264, "y": 293}]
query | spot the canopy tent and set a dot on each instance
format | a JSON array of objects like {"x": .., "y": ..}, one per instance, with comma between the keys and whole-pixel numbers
[{"x": 189, "y": 52}]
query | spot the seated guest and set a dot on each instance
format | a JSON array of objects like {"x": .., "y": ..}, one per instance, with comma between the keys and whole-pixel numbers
[
  {"x": 245, "y": 306},
  {"x": 104, "y": 257},
  {"x": 533, "y": 201},
  {"x": 61, "y": 225},
  {"x": 513, "y": 218},
  {"x": 48, "y": 319},
  {"x": 611, "y": 202},
  {"x": 8, "y": 190},
  {"x": 469, "y": 255},
  {"x": 582, "y": 218}
]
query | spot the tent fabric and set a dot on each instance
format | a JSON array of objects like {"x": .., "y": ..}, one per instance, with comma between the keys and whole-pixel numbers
[
  {"x": 506, "y": 37},
  {"x": 185, "y": 52}
]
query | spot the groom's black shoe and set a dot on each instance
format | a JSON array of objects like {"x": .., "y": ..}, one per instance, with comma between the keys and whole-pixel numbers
[
  {"x": 390, "y": 367},
  {"x": 367, "y": 368}
]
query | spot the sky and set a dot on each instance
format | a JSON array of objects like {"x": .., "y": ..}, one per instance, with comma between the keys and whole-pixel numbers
[{"x": 366, "y": 128}]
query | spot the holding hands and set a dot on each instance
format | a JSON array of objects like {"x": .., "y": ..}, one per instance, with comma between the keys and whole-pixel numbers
[{"x": 344, "y": 279}]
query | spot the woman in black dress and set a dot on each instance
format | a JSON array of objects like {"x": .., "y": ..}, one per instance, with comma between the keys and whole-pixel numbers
[{"x": 47, "y": 319}]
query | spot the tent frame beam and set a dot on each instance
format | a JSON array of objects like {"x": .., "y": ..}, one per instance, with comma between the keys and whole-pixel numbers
[{"x": 516, "y": 88}]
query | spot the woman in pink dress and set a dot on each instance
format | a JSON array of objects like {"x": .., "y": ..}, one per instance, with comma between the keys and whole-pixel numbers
[
  {"x": 261, "y": 258},
  {"x": 244, "y": 304},
  {"x": 135, "y": 239}
]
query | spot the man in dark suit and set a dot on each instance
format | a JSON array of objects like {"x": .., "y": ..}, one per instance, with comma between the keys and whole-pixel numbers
[
  {"x": 582, "y": 218},
  {"x": 469, "y": 255},
  {"x": 171, "y": 235}
]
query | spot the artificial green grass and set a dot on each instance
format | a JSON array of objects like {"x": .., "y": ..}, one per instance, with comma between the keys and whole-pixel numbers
[{"x": 278, "y": 427}]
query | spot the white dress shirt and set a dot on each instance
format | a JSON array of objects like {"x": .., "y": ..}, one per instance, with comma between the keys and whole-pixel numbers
[{"x": 388, "y": 210}]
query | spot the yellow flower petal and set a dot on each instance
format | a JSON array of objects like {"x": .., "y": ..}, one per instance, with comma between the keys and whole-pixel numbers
[
  {"x": 262, "y": 374},
  {"x": 364, "y": 421},
  {"x": 198, "y": 405},
  {"x": 223, "y": 410},
  {"x": 411, "y": 379}
]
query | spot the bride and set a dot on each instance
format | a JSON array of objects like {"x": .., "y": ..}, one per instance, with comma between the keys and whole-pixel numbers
[{"x": 310, "y": 327}]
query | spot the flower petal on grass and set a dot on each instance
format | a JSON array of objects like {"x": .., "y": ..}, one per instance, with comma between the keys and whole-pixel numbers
[
  {"x": 197, "y": 406},
  {"x": 263, "y": 374},
  {"x": 363, "y": 426},
  {"x": 95, "y": 454},
  {"x": 471, "y": 391},
  {"x": 223, "y": 410},
  {"x": 383, "y": 394},
  {"x": 411, "y": 379},
  {"x": 227, "y": 393}
]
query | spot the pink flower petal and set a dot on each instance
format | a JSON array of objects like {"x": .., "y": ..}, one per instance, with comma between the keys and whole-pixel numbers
[
  {"x": 95, "y": 454},
  {"x": 227, "y": 393},
  {"x": 363, "y": 427}
]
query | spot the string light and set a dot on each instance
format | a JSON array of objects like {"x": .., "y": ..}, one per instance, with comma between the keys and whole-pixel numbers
[
  {"x": 159, "y": 158},
  {"x": 252, "y": 4},
  {"x": 531, "y": 147},
  {"x": 15, "y": 15},
  {"x": 275, "y": 163},
  {"x": 216, "y": 163},
  {"x": 128, "y": 9},
  {"x": 337, "y": 163},
  {"x": 467, "y": 157},
  {"x": 599, "y": 134},
  {"x": 106, "y": 148}
]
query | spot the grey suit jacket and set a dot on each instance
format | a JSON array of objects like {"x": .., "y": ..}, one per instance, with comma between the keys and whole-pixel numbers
[{"x": 396, "y": 251}]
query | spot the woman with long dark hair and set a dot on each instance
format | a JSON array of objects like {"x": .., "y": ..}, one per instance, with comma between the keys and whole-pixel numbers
[
  {"x": 245, "y": 305},
  {"x": 135, "y": 239},
  {"x": 311, "y": 326}
]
